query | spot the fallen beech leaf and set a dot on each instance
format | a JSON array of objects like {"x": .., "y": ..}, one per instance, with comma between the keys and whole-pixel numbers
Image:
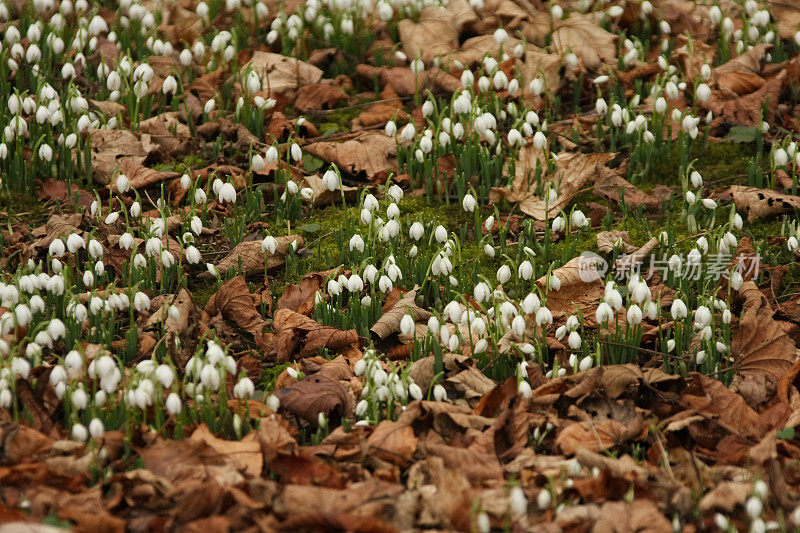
[
  {"x": 140, "y": 176},
  {"x": 246, "y": 453},
  {"x": 608, "y": 240},
  {"x": 758, "y": 203},
  {"x": 747, "y": 110},
  {"x": 313, "y": 335},
  {"x": 300, "y": 297},
  {"x": 435, "y": 34},
  {"x": 786, "y": 14},
  {"x": 630, "y": 261},
  {"x": 369, "y": 152},
  {"x": 639, "y": 515},
  {"x": 318, "y": 96},
  {"x": 65, "y": 192},
  {"x": 253, "y": 258},
  {"x": 389, "y": 322},
  {"x": 235, "y": 303},
  {"x": 573, "y": 171},
  {"x": 582, "y": 36},
  {"x": 760, "y": 345},
  {"x": 393, "y": 442},
  {"x": 110, "y": 148},
  {"x": 710, "y": 398},
  {"x": 726, "y": 496},
  {"x": 57, "y": 227},
  {"x": 280, "y": 73},
  {"x": 579, "y": 288},
  {"x": 317, "y": 394},
  {"x": 611, "y": 186},
  {"x": 599, "y": 437},
  {"x": 324, "y": 196}
]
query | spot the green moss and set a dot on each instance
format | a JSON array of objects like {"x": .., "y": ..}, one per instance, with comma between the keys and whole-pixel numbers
[
  {"x": 339, "y": 120},
  {"x": 190, "y": 162},
  {"x": 269, "y": 376},
  {"x": 720, "y": 164},
  {"x": 23, "y": 206},
  {"x": 202, "y": 291}
]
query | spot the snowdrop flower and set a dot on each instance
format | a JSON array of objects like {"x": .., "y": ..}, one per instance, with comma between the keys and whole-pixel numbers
[
  {"x": 439, "y": 393},
  {"x": 330, "y": 180},
  {"x": 269, "y": 244},
  {"x": 634, "y": 314},
  {"x": 227, "y": 193},
  {"x": 468, "y": 203},
  {"x": 170, "y": 85},
  {"x": 503, "y": 274},
  {"x": 530, "y": 304},
  {"x": 544, "y": 316},
  {"x": 440, "y": 234},
  {"x": 193, "y": 255},
  {"x": 604, "y": 313}
]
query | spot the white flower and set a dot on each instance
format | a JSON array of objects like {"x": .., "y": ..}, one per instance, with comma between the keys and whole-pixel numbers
[
  {"x": 439, "y": 393},
  {"x": 604, "y": 313},
  {"x": 753, "y": 507},
  {"x": 544, "y": 316},
  {"x": 407, "y": 325},
  {"x": 780, "y": 157},
  {"x": 79, "y": 433},
  {"x": 170, "y": 85},
  {"x": 269, "y": 244},
  {"x": 503, "y": 274},
  {"x": 543, "y": 499},
  {"x": 227, "y": 193},
  {"x": 708, "y": 203},
  {"x": 193, "y": 255},
  {"x": 330, "y": 180},
  {"x": 468, "y": 203},
  {"x": 416, "y": 231},
  {"x": 440, "y": 234}
]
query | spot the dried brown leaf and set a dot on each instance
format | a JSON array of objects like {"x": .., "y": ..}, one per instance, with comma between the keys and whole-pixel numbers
[
  {"x": 389, "y": 322},
  {"x": 253, "y": 258},
  {"x": 369, "y": 152},
  {"x": 235, "y": 303},
  {"x": 758, "y": 203},
  {"x": 318, "y": 96},
  {"x": 760, "y": 345},
  {"x": 317, "y": 394}
]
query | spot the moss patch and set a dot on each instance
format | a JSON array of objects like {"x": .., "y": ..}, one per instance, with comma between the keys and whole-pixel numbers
[{"x": 269, "y": 376}]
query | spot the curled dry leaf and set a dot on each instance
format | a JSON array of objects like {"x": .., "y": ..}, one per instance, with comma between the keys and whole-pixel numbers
[
  {"x": 758, "y": 203},
  {"x": 300, "y": 297},
  {"x": 581, "y": 288},
  {"x": 294, "y": 329},
  {"x": 389, "y": 322},
  {"x": 370, "y": 152},
  {"x": 631, "y": 261},
  {"x": 436, "y": 33},
  {"x": 613, "y": 187},
  {"x": 324, "y": 196},
  {"x": 235, "y": 303},
  {"x": 318, "y": 96},
  {"x": 608, "y": 240},
  {"x": 248, "y": 257},
  {"x": 721, "y": 407},
  {"x": 110, "y": 148},
  {"x": 760, "y": 344},
  {"x": 574, "y": 171},
  {"x": 786, "y": 14},
  {"x": 599, "y": 437},
  {"x": 317, "y": 394},
  {"x": 585, "y": 38},
  {"x": 393, "y": 442},
  {"x": 280, "y": 73}
]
